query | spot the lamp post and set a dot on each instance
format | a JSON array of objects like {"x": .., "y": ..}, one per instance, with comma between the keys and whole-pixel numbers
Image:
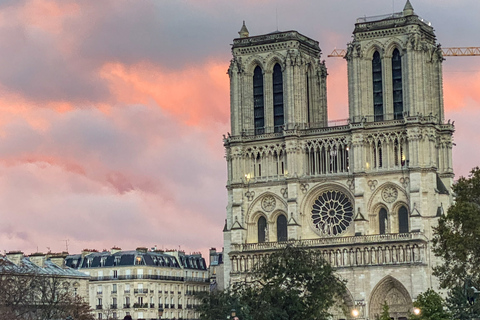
[{"x": 160, "y": 313}]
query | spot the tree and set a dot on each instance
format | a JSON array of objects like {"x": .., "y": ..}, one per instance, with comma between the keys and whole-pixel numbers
[
  {"x": 457, "y": 235},
  {"x": 28, "y": 295},
  {"x": 292, "y": 283},
  {"x": 385, "y": 315},
  {"x": 432, "y": 307},
  {"x": 456, "y": 241}
]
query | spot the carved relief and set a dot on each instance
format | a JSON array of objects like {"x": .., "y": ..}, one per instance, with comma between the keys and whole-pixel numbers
[
  {"x": 389, "y": 194},
  {"x": 268, "y": 203},
  {"x": 372, "y": 184}
]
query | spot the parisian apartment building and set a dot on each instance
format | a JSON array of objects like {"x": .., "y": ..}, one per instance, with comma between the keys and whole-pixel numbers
[{"x": 143, "y": 283}]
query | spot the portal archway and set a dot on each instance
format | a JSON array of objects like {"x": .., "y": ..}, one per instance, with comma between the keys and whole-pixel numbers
[{"x": 393, "y": 292}]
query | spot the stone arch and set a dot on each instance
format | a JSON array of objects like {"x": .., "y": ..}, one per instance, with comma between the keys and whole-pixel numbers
[
  {"x": 393, "y": 44},
  {"x": 376, "y": 195},
  {"x": 256, "y": 207},
  {"x": 393, "y": 292},
  {"x": 371, "y": 47},
  {"x": 253, "y": 62},
  {"x": 272, "y": 59},
  {"x": 344, "y": 306},
  {"x": 374, "y": 218}
]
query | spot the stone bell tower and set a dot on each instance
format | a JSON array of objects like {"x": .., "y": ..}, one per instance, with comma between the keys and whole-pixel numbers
[{"x": 365, "y": 193}]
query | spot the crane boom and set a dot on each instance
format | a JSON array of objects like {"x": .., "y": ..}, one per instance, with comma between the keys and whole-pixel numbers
[{"x": 447, "y": 52}]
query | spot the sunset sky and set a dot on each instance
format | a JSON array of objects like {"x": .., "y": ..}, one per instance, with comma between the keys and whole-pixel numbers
[{"x": 112, "y": 112}]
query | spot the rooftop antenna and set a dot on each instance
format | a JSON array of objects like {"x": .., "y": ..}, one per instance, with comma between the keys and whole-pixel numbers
[
  {"x": 276, "y": 16},
  {"x": 66, "y": 244}
]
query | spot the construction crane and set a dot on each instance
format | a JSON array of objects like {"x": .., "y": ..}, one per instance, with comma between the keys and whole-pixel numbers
[{"x": 447, "y": 52}]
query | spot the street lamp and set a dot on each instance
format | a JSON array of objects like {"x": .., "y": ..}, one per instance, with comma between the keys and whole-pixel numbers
[
  {"x": 416, "y": 311},
  {"x": 160, "y": 313},
  {"x": 355, "y": 313}
]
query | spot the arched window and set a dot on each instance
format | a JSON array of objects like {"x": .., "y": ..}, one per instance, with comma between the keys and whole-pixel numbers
[
  {"x": 262, "y": 228},
  {"x": 278, "y": 116},
  {"x": 282, "y": 228},
  {"x": 382, "y": 219},
  {"x": 397, "y": 85},
  {"x": 377, "y": 87},
  {"x": 258, "y": 104},
  {"x": 403, "y": 220}
]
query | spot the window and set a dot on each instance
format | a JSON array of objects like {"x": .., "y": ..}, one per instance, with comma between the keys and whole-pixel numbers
[
  {"x": 382, "y": 218},
  {"x": 262, "y": 228},
  {"x": 114, "y": 288},
  {"x": 281, "y": 228},
  {"x": 402, "y": 220},
  {"x": 377, "y": 87},
  {"x": 397, "y": 85},
  {"x": 115, "y": 274},
  {"x": 278, "y": 116},
  {"x": 258, "y": 101}
]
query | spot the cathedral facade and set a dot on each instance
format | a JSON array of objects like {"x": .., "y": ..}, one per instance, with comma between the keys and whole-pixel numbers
[{"x": 365, "y": 192}]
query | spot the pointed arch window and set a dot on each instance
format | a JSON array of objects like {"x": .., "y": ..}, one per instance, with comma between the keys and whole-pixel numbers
[
  {"x": 397, "y": 85},
  {"x": 402, "y": 220},
  {"x": 382, "y": 219},
  {"x": 262, "y": 228},
  {"x": 278, "y": 111},
  {"x": 377, "y": 87},
  {"x": 258, "y": 101},
  {"x": 282, "y": 228}
]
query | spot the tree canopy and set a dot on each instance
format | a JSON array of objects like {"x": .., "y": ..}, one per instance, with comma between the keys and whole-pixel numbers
[
  {"x": 457, "y": 235},
  {"x": 432, "y": 307},
  {"x": 292, "y": 283},
  {"x": 456, "y": 241}
]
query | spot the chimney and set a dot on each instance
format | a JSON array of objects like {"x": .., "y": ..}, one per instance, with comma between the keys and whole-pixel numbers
[
  {"x": 59, "y": 259},
  {"x": 115, "y": 250},
  {"x": 38, "y": 259},
  {"x": 15, "y": 256}
]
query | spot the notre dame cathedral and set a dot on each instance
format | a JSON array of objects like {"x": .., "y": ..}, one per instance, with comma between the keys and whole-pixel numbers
[{"x": 366, "y": 192}]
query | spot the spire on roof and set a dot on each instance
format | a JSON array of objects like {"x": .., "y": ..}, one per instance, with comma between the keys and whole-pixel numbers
[
  {"x": 244, "y": 31},
  {"x": 408, "y": 9}
]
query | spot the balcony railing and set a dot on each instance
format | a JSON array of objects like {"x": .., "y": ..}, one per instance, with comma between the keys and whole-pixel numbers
[
  {"x": 126, "y": 305},
  {"x": 148, "y": 276},
  {"x": 113, "y": 306},
  {"x": 140, "y": 305},
  {"x": 332, "y": 241},
  {"x": 140, "y": 291},
  {"x": 99, "y": 307},
  {"x": 152, "y": 305}
]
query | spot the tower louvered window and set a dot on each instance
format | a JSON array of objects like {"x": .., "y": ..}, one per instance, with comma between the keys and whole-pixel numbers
[
  {"x": 258, "y": 101},
  {"x": 278, "y": 114},
  {"x": 397, "y": 85},
  {"x": 377, "y": 87}
]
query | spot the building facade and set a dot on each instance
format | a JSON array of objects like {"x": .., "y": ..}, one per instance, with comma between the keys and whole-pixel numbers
[
  {"x": 143, "y": 282},
  {"x": 365, "y": 192}
]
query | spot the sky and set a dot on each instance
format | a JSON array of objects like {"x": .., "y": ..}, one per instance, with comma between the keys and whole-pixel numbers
[{"x": 112, "y": 112}]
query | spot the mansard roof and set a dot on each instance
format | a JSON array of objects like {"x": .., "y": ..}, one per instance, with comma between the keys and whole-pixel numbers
[
  {"x": 26, "y": 266},
  {"x": 136, "y": 258}
]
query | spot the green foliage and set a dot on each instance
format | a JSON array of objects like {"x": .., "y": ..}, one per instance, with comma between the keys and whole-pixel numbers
[
  {"x": 290, "y": 284},
  {"x": 458, "y": 234},
  {"x": 431, "y": 305},
  {"x": 462, "y": 301},
  {"x": 385, "y": 315}
]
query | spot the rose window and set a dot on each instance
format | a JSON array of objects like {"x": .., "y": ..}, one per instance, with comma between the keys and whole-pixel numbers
[{"x": 332, "y": 213}]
